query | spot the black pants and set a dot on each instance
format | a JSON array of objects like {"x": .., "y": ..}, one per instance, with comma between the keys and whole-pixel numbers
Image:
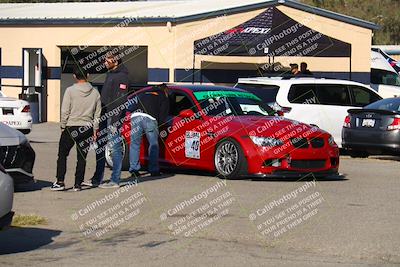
[{"x": 70, "y": 136}]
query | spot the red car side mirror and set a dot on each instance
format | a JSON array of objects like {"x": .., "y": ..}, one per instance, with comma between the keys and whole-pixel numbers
[{"x": 186, "y": 113}]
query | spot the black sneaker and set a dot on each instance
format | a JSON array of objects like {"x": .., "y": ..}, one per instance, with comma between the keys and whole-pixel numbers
[
  {"x": 135, "y": 174},
  {"x": 57, "y": 186},
  {"x": 76, "y": 188},
  {"x": 154, "y": 174}
]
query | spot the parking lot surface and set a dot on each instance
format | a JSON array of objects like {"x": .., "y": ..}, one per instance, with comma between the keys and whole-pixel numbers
[{"x": 193, "y": 219}]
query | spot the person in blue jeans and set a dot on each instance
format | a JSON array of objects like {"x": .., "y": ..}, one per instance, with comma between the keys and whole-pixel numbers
[
  {"x": 148, "y": 112},
  {"x": 115, "y": 139},
  {"x": 114, "y": 97},
  {"x": 148, "y": 126}
]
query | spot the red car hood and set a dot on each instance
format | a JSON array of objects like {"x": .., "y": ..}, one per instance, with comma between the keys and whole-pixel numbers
[{"x": 274, "y": 126}]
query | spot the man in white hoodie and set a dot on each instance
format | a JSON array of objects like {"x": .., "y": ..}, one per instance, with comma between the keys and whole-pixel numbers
[{"x": 80, "y": 115}]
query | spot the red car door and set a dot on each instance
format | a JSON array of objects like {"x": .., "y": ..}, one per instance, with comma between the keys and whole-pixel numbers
[{"x": 182, "y": 144}]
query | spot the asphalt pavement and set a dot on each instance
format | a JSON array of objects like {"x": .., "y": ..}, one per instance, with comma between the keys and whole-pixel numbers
[{"x": 195, "y": 219}]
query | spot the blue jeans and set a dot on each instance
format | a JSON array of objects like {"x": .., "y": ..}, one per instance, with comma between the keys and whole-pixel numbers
[
  {"x": 140, "y": 125},
  {"x": 115, "y": 138},
  {"x": 100, "y": 153}
]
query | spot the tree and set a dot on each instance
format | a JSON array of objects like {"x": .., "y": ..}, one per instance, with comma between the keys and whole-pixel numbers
[{"x": 385, "y": 13}]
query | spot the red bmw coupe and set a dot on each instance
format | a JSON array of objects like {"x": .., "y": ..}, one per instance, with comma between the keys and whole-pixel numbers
[{"x": 230, "y": 132}]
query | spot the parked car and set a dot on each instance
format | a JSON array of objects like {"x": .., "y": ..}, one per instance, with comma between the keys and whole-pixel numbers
[
  {"x": 16, "y": 113},
  {"x": 385, "y": 77},
  {"x": 16, "y": 154},
  {"x": 229, "y": 131},
  {"x": 373, "y": 130},
  {"x": 6, "y": 198},
  {"x": 315, "y": 101}
]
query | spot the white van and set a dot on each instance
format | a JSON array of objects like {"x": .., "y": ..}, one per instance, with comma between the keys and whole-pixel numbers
[
  {"x": 316, "y": 101},
  {"x": 384, "y": 78}
]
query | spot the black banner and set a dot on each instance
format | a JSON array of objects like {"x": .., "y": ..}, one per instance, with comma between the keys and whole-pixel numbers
[{"x": 272, "y": 33}]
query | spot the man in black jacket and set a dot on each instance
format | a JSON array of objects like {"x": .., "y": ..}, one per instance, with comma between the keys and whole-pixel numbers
[
  {"x": 148, "y": 112},
  {"x": 113, "y": 97}
]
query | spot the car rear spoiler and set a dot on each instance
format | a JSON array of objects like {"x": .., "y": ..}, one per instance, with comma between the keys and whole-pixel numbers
[{"x": 379, "y": 111}]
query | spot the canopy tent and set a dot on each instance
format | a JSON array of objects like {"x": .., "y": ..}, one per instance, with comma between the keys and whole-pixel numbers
[{"x": 271, "y": 34}]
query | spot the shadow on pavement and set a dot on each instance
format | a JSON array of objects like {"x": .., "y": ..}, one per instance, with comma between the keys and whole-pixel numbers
[
  {"x": 16, "y": 239},
  {"x": 338, "y": 178},
  {"x": 147, "y": 178},
  {"x": 31, "y": 186},
  {"x": 189, "y": 172},
  {"x": 307, "y": 177},
  {"x": 388, "y": 158}
]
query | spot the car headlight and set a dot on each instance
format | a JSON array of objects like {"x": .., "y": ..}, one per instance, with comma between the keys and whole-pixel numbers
[
  {"x": 331, "y": 141},
  {"x": 266, "y": 141}
]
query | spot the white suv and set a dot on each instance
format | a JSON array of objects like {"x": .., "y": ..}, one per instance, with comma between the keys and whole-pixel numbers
[{"x": 317, "y": 101}]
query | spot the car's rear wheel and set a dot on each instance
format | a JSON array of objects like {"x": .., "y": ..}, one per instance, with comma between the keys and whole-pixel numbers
[
  {"x": 125, "y": 156},
  {"x": 229, "y": 160}
]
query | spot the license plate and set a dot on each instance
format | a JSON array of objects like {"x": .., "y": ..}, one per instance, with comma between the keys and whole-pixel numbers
[
  {"x": 368, "y": 123},
  {"x": 12, "y": 123}
]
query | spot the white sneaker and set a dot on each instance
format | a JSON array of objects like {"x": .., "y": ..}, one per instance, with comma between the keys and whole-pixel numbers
[
  {"x": 89, "y": 183},
  {"x": 109, "y": 185}
]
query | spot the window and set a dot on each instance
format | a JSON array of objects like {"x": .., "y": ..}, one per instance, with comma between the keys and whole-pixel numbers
[
  {"x": 69, "y": 61},
  {"x": 179, "y": 102},
  {"x": 384, "y": 77},
  {"x": 333, "y": 94},
  {"x": 322, "y": 94},
  {"x": 303, "y": 94},
  {"x": 363, "y": 96},
  {"x": 267, "y": 93},
  {"x": 227, "y": 103},
  {"x": 392, "y": 104}
]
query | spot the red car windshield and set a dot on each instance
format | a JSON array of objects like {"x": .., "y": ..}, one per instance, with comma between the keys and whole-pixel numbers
[{"x": 228, "y": 103}]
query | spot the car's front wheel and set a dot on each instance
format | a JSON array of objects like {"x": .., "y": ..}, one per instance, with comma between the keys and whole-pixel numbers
[
  {"x": 125, "y": 156},
  {"x": 229, "y": 160}
]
